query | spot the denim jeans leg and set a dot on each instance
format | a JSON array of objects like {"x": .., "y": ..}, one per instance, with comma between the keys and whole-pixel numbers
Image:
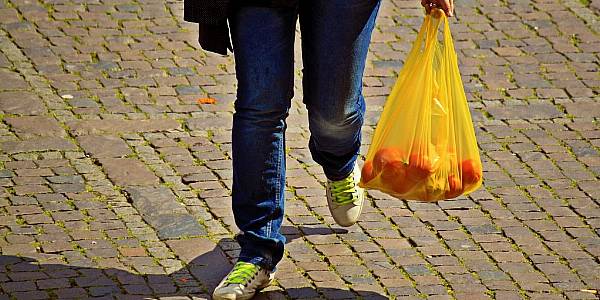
[
  {"x": 335, "y": 41},
  {"x": 263, "y": 42}
]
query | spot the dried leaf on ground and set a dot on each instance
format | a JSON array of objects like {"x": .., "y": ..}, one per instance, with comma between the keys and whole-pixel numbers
[{"x": 207, "y": 101}]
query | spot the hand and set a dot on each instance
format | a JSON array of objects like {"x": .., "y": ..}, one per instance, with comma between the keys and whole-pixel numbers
[{"x": 446, "y": 5}]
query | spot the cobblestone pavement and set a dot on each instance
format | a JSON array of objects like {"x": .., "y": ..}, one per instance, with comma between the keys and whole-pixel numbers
[{"x": 115, "y": 182}]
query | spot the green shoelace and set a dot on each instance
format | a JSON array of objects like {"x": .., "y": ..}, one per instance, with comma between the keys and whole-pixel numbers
[
  {"x": 242, "y": 273},
  {"x": 343, "y": 191}
]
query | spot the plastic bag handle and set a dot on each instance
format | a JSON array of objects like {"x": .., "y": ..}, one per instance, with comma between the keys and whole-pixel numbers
[{"x": 426, "y": 36}]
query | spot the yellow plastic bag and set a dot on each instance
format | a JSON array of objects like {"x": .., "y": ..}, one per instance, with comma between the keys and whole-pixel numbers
[{"x": 424, "y": 147}]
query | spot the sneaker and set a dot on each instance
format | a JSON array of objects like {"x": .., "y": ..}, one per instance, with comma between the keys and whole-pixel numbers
[
  {"x": 345, "y": 198},
  {"x": 242, "y": 282}
]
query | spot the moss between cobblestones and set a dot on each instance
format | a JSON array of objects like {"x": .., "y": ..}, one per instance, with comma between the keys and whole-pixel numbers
[
  {"x": 513, "y": 244},
  {"x": 549, "y": 188},
  {"x": 511, "y": 77},
  {"x": 428, "y": 265},
  {"x": 10, "y": 190},
  {"x": 323, "y": 257},
  {"x": 182, "y": 144},
  {"x": 223, "y": 67},
  {"x": 537, "y": 235},
  {"x": 20, "y": 221},
  {"x": 89, "y": 188},
  {"x": 77, "y": 248},
  {"x": 486, "y": 114},
  {"x": 585, "y": 2}
]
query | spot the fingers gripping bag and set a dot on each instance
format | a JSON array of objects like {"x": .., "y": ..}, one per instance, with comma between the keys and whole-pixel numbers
[{"x": 424, "y": 146}]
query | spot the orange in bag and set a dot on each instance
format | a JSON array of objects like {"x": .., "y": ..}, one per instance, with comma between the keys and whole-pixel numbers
[
  {"x": 471, "y": 172},
  {"x": 455, "y": 188},
  {"x": 394, "y": 177},
  {"x": 387, "y": 156},
  {"x": 367, "y": 174}
]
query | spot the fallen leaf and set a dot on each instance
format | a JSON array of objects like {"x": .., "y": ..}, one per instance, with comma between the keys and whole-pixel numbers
[
  {"x": 207, "y": 101},
  {"x": 589, "y": 291}
]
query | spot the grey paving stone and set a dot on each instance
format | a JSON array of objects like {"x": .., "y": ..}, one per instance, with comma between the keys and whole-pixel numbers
[
  {"x": 533, "y": 111},
  {"x": 128, "y": 171},
  {"x": 6, "y": 174},
  {"x": 35, "y": 125},
  {"x": 37, "y": 144},
  {"x": 104, "y": 146},
  {"x": 583, "y": 109},
  {"x": 124, "y": 126},
  {"x": 11, "y": 81},
  {"x": 175, "y": 226},
  {"x": 159, "y": 207},
  {"x": 154, "y": 200},
  {"x": 210, "y": 121},
  {"x": 21, "y": 103}
]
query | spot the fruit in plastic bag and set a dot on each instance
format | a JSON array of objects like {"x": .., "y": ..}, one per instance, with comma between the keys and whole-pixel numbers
[
  {"x": 421, "y": 165},
  {"x": 394, "y": 177},
  {"x": 434, "y": 189},
  {"x": 455, "y": 188},
  {"x": 424, "y": 147},
  {"x": 471, "y": 172},
  {"x": 386, "y": 156},
  {"x": 389, "y": 164},
  {"x": 367, "y": 173}
]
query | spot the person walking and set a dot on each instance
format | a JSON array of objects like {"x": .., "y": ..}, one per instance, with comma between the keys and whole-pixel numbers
[{"x": 335, "y": 41}]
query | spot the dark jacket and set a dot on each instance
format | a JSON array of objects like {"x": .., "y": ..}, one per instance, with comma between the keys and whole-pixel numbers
[{"x": 213, "y": 31}]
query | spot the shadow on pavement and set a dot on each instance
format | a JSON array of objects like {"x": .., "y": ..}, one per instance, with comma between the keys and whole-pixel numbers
[{"x": 26, "y": 278}]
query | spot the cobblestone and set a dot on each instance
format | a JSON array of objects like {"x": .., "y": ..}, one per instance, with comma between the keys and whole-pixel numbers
[{"x": 115, "y": 182}]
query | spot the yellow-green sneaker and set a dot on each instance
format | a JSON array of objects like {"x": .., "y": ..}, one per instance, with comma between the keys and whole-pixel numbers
[
  {"x": 345, "y": 198},
  {"x": 242, "y": 282}
]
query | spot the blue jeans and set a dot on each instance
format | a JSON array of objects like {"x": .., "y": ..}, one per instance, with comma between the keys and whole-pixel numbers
[{"x": 335, "y": 41}]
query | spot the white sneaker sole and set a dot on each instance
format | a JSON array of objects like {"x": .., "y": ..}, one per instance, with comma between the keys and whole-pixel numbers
[{"x": 247, "y": 296}]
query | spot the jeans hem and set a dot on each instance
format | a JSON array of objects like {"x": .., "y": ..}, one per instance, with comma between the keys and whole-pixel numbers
[{"x": 259, "y": 261}]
